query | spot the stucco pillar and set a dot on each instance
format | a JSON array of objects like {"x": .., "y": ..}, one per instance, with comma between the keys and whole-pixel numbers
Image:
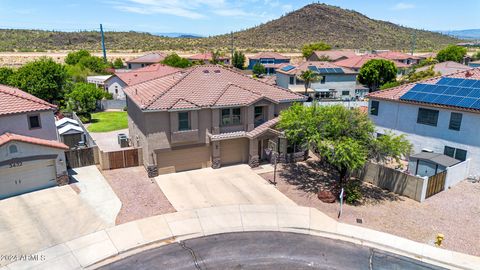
[
  {"x": 253, "y": 159},
  {"x": 216, "y": 161},
  {"x": 271, "y": 111},
  {"x": 250, "y": 118},
  {"x": 215, "y": 121}
]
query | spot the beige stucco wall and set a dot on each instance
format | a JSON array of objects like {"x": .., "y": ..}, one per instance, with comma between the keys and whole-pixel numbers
[{"x": 18, "y": 124}]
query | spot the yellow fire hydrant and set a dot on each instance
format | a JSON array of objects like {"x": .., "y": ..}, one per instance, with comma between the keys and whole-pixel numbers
[{"x": 440, "y": 238}]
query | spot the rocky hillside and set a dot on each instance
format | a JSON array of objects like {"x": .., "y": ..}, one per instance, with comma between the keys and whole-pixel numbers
[{"x": 315, "y": 22}]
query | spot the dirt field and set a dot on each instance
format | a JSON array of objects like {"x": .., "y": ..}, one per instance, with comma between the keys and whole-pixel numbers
[{"x": 454, "y": 212}]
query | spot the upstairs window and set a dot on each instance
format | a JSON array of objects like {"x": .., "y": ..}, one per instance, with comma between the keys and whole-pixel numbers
[
  {"x": 292, "y": 80},
  {"x": 455, "y": 153},
  {"x": 323, "y": 80},
  {"x": 374, "y": 107},
  {"x": 455, "y": 121},
  {"x": 34, "y": 121},
  {"x": 183, "y": 121},
  {"x": 427, "y": 117},
  {"x": 231, "y": 116}
]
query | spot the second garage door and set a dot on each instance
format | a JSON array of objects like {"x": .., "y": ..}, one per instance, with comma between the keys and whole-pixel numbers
[
  {"x": 26, "y": 176},
  {"x": 234, "y": 151},
  {"x": 184, "y": 159}
]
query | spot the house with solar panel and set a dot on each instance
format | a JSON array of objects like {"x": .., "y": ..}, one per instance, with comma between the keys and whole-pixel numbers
[
  {"x": 335, "y": 82},
  {"x": 438, "y": 115},
  {"x": 270, "y": 60}
]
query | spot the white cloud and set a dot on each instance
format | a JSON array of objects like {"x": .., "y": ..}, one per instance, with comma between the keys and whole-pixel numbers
[{"x": 403, "y": 6}]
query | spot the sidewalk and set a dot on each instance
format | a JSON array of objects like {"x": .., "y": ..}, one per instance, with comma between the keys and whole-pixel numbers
[{"x": 92, "y": 250}]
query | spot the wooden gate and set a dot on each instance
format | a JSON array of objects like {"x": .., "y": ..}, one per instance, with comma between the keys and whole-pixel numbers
[
  {"x": 436, "y": 183},
  {"x": 123, "y": 158},
  {"x": 80, "y": 157}
]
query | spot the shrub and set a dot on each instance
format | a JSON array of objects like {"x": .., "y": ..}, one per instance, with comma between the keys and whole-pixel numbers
[
  {"x": 85, "y": 117},
  {"x": 353, "y": 192}
]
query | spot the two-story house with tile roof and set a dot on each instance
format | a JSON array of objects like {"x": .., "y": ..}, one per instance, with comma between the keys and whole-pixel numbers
[
  {"x": 31, "y": 157},
  {"x": 204, "y": 116},
  {"x": 335, "y": 81},
  {"x": 404, "y": 58},
  {"x": 270, "y": 60},
  {"x": 440, "y": 114}
]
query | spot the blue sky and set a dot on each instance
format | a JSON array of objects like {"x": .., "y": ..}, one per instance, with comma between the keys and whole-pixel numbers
[{"x": 210, "y": 17}]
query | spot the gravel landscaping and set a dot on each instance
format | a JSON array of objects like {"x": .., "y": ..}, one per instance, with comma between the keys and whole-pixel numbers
[
  {"x": 454, "y": 212},
  {"x": 140, "y": 196}
]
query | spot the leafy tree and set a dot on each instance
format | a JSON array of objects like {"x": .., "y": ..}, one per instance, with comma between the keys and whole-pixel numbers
[
  {"x": 420, "y": 75},
  {"x": 426, "y": 62},
  {"x": 308, "y": 49},
  {"x": 238, "y": 60},
  {"x": 42, "y": 78},
  {"x": 259, "y": 69},
  {"x": 5, "y": 73},
  {"x": 74, "y": 57},
  {"x": 476, "y": 56},
  {"x": 93, "y": 63},
  {"x": 118, "y": 63},
  {"x": 215, "y": 57},
  {"x": 343, "y": 137},
  {"x": 390, "y": 85},
  {"x": 174, "y": 60},
  {"x": 308, "y": 76},
  {"x": 78, "y": 73},
  {"x": 377, "y": 72},
  {"x": 83, "y": 97},
  {"x": 452, "y": 53}
]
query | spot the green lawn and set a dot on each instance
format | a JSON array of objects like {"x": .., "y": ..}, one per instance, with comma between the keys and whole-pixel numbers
[{"x": 108, "y": 121}]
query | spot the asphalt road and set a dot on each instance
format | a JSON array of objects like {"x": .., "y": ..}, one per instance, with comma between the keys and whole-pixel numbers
[{"x": 265, "y": 250}]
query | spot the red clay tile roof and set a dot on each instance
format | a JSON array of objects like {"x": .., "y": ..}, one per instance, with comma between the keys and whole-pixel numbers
[
  {"x": 269, "y": 55},
  {"x": 335, "y": 55},
  {"x": 272, "y": 80},
  {"x": 263, "y": 127},
  {"x": 445, "y": 68},
  {"x": 205, "y": 86},
  {"x": 14, "y": 100},
  {"x": 8, "y": 137},
  {"x": 397, "y": 55},
  {"x": 150, "y": 58},
  {"x": 145, "y": 74},
  {"x": 358, "y": 61},
  {"x": 319, "y": 64},
  {"x": 205, "y": 57},
  {"x": 394, "y": 94},
  {"x": 243, "y": 134}
]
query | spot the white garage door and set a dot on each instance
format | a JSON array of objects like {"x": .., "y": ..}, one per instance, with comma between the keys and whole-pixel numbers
[{"x": 26, "y": 176}]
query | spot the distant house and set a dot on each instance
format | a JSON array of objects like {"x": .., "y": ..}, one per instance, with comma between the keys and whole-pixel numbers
[
  {"x": 439, "y": 115},
  {"x": 404, "y": 58},
  {"x": 446, "y": 68},
  {"x": 116, "y": 83},
  {"x": 146, "y": 60},
  {"x": 204, "y": 116},
  {"x": 331, "y": 55},
  {"x": 31, "y": 157},
  {"x": 336, "y": 82},
  {"x": 206, "y": 58},
  {"x": 474, "y": 64},
  {"x": 356, "y": 63},
  {"x": 271, "y": 60},
  {"x": 427, "y": 56},
  {"x": 99, "y": 81}
]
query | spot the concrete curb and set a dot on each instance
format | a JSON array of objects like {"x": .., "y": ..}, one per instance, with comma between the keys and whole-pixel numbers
[{"x": 114, "y": 243}]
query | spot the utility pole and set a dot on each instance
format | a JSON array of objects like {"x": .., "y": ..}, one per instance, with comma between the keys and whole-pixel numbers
[
  {"x": 232, "y": 45},
  {"x": 103, "y": 45},
  {"x": 414, "y": 40}
]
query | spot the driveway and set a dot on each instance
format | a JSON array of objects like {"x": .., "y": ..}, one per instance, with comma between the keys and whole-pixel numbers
[
  {"x": 44, "y": 218},
  {"x": 217, "y": 187},
  {"x": 96, "y": 192}
]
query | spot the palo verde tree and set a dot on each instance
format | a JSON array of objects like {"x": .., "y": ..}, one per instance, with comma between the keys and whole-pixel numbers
[
  {"x": 238, "y": 60},
  {"x": 344, "y": 138},
  {"x": 308, "y": 76},
  {"x": 377, "y": 72}
]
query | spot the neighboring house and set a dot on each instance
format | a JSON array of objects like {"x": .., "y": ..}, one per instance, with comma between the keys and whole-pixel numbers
[
  {"x": 446, "y": 68},
  {"x": 404, "y": 58},
  {"x": 440, "y": 115},
  {"x": 474, "y": 64},
  {"x": 99, "y": 81},
  {"x": 204, "y": 116},
  {"x": 357, "y": 62},
  {"x": 271, "y": 60},
  {"x": 146, "y": 60},
  {"x": 331, "y": 55},
  {"x": 116, "y": 83},
  {"x": 335, "y": 81},
  {"x": 424, "y": 56},
  {"x": 206, "y": 58},
  {"x": 31, "y": 157}
]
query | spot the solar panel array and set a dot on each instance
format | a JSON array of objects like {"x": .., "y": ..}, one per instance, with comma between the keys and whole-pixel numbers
[
  {"x": 464, "y": 93},
  {"x": 326, "y": 70},
  {"x": 287, "y": 68}
]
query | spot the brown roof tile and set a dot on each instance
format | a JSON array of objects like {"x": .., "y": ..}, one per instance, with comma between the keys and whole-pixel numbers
[
  {"x": 397, "y": 55},
  {"x": 8, "y": 137},
  {"x": 358, "y": 61},
  {"x": 269, "y": 55},
  {"x": 145, "y": 74},
  {"x": 205, "y": 86},
  {"x": 14, "y": 100},
  {"x": 150, "y": 58},
  {"x": 205, "y": 57},
  {"x": 335, "y": 55}
]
